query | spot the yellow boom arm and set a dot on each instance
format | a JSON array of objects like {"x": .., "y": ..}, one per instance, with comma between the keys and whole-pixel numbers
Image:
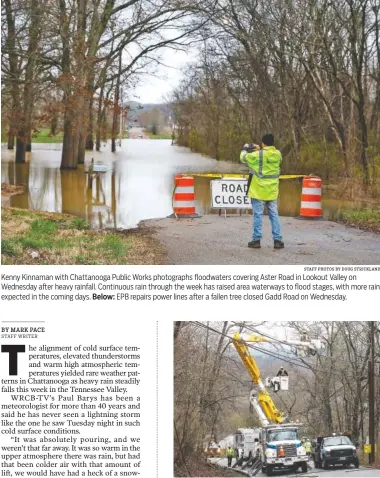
[{"x": 264, "y": 400}]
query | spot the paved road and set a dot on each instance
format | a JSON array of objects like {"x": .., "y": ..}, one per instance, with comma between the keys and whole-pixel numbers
[
  {"x": 217, "y": 240},
  {"x": 333, "y": 472},
  {"x": 336, "y": 472}
]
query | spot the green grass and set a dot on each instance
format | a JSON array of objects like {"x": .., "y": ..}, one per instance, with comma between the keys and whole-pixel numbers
[
  {"x": 21, "y": 212},
  {"x": 367, "y": 220},
  {"x": 43, "y": 226},
  {"x": 41, "y": 235},
  {"x": 114, "y": 246},
  {"x": 42, "y": 136},
  {"x": 79, "y": 223},
  {"x": 159, "y": 136},
  {"x": 65, "y": 239},
  {"x": 36, "y": 242},
  {"x": 8, "y": 247},
  {"x": 81, "y": 259}
]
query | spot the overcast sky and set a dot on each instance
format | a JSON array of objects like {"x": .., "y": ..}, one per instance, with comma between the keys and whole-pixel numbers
[{"x": 154, "y": 89}]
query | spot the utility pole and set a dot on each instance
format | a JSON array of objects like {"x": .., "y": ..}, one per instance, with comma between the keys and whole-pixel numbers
[{"x": 371, "y": 393}]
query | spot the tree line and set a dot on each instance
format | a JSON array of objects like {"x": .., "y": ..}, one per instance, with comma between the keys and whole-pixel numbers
[
  {"x": 307, "y": 71},
  {"x": 328, "y": 392},
  {"x": 67, "y": 60}
]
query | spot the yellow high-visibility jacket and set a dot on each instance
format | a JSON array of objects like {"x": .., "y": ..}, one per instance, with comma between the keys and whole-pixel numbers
[
  {"x": 307, "y": 446},
  {"x": 230, "y": 452},
  {"x": 264, "y": 165}
]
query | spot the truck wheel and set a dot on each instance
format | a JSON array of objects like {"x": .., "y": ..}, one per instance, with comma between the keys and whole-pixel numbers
[
  {"x": 356, "y": 463},
  {"x": 304, "y": 467},
  {"x": 269, "y": 470},
  {"x": 325, "y": 466}
]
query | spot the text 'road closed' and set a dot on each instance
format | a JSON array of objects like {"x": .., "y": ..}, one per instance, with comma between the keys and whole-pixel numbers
[{"x": 230, "y": 194}]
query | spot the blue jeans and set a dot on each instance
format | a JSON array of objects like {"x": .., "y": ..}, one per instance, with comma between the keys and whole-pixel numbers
[{"x": 258, "y": 211}]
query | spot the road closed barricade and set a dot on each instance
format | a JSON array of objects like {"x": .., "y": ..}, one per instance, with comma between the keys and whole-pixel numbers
[
  {"x": 184, "y": 197},
  {"x": 228, "y": 191},
  {"x": 311, "y": 198}
]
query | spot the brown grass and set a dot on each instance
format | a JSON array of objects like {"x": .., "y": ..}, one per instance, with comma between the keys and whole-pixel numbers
[
  {"x": 11, "y": 189},
  {"x": 365, "y": 220},
  {"x": 353, "y": 189},
  {"x": 34, "y": 237},
  {"x": 196, "y": 466}
]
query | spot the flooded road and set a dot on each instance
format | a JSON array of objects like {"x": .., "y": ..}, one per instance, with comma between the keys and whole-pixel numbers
[{"x": 137, "y": 185}]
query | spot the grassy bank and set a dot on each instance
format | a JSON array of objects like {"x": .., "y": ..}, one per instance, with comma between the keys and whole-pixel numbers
[
  {"x": 158, "y": 136},
  {"x": 33, "y": 237},
  {"x": 366, "y": 220},
  {"x": 43, "y": 136}
]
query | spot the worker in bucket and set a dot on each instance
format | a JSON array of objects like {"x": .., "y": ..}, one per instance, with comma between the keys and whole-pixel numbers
[
  {"x": 264, "y": 165},
  {"x": 230, "y": 454}
]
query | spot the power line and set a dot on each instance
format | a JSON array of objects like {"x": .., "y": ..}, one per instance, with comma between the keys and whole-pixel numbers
[
  {"x": 272, "y": 354},
  {"x": 273, "y": 338},
  {"x": 266, "y": 352},
  {"x": 203, "y": 325}
]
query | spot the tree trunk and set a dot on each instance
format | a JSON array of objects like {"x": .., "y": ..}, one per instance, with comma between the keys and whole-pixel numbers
[
  {"x": 73, "y": 59},
  {"x": 81, "y": 148},
  {"x": 99, "y": 119},
  {"x": 89, "y": 141},
  {"x": 99, "y": 123},
  {"x": 114, "y": 120},
  {"x": 54, "y": 124},
  {"x": 81, "y": 90},
  {"x": 20, "y": 146},
  {"x": 116, "y": 111},
  {"x": 70, "y": 142},
  {"x": 24, "y": 143},
  {"x": 90, "y": 128},
  {"x": 97, "y": 147},
  {"x": 376, "y": 105},
  {"x": 14, "y": 72},
  {"x": 364, "y": 141},
  {"x": 11, "y": 139}
]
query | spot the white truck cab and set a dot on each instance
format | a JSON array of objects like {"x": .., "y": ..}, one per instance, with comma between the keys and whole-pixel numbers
[{"x": 281, "y": 448}]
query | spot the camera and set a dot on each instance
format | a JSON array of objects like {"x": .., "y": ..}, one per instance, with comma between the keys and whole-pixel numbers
[{"x": 250, "y": 147}]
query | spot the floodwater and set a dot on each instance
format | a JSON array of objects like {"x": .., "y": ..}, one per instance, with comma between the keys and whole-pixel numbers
[{"x": 137, "y": 185}]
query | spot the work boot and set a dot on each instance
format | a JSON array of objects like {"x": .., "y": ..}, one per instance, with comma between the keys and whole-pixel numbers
[
  {"x": 254, "y": 244},
  {"x": 278, "y": 244}
]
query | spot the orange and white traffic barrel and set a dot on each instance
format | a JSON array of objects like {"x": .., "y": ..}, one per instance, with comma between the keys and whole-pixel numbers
[
  {"x": 311, "y": 198},
  {"x": 184, "y": 197}
]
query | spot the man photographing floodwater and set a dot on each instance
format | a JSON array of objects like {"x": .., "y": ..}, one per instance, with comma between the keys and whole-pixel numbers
[{"x": 264, "y": 165}]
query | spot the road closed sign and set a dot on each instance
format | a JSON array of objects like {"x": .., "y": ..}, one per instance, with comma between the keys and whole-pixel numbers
[{"x": 230, "y": 194}]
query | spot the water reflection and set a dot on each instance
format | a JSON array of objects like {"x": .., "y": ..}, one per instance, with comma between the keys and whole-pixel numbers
[{"x": 137, "y": 185}]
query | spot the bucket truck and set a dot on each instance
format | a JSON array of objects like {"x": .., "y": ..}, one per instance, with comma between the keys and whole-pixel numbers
[{"x": 280, "y": 444}]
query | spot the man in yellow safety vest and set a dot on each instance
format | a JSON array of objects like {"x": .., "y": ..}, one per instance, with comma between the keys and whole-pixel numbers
[
  {"x": 264, "y": 165},
  {"x": 230, "y": 454},
  {"x": 307, "y": 446}
]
